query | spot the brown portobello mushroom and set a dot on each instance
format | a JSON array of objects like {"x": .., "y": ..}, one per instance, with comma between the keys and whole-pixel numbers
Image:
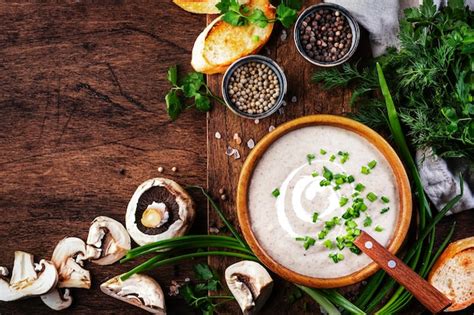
[
  {"x": 250, "y": 283},
  {"x": 159, "y": 209}
]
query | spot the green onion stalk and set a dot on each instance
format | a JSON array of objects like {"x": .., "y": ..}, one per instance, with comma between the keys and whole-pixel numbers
[
  {"x": 419, "y": 256},
  {"x": 175, "y": 250}
]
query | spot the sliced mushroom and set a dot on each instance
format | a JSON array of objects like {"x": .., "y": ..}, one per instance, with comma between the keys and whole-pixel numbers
[
  {"x": 107, "y": 242},
  {"x": 159, "y": 209},
  {"x": 28, "y": 278},
  {"x": 250, "y": 284},
  {"x": 4, "y": 271},
  {"x": 138, "y": 290},
  {"x": 67, "y": 257},
  {"x": 57, "y": 301}
]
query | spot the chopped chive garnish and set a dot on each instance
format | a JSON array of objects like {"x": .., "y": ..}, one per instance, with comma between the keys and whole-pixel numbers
[
  {"x": 378, "y": 228},
  {"x": 331, "y": 223},
  {"x": 315, "y": 217},
  {"x": 310, "y": 157},
  {"x": 367, "y": 221},
  {"x": 365, "y": 170},
  {"x": 323, "y": 233},
  {"x": 371, "y": 196},
  {"x": 344, "y": 156},
  {"x": 337, "y": 187},
  {"x": 327, "y": 173},
  {"x": 328, "y": 244},
  {"x": 343, "y": 201},
  {"x": 307, "y": 241},
  {"x": 355, "y": 250},
  {"x": 322, "y": 152},
  {"x": 332, "y": 158},
  {"x": 351, "y": 224},
  {"x": 324, "y": 182},
  {"x": 384, "y": 210},
  {"x": 350, "y": 179},
  {"x": 355, "y": 194},
  {"x": 314, "y": 174},
  {"x": 336, "y": 257},
  {"x": 385, "y": 199},
  {"x": 359, "y": 187},
  {"x": 372, "y": 164},
  {"x": 276, "y": 192}
]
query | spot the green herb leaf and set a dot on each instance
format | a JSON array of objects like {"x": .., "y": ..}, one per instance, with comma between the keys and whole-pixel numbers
[
  {"x": 173, "y": 104},
  {"x": 385, "y": 199},
  {"x": 327, "y": 173},
  {"x": 286, "y": 15},
  {"x": 328, "y": 244},
  {"x": 350, "y": 179},
  {"x": 378, "y": 228},
  {"x": 336, "y": 257},
  {"x": 372, "y": 164},
  {"x": 172, "y": 76},
  {"x": 365, "y": 170},
  {"x": 343, "y": 201},
  {"x": 310, "y": 157},
  {"x": 359, "y": 187},
  {"x": 276, "y": 192},
  {"x": 315, "y": 174},
  {"x": 322, "y": 152},
  {"x": 203, "y": 103},
  {"x": 258, "y": 18},
  {"x": 315, "y": 217},
  {"x": 371, "y": 196},
  {"x": 256, "y": 39},
  {"x": 191, "y": 83},
  {"x": 332, "y": 158},
  {"x": 384, "y": 210},
  {"x": 367, "y": 221}
]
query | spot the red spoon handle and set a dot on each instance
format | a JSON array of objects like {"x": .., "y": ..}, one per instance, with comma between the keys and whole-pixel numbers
[{"x": 424, "y": 292}]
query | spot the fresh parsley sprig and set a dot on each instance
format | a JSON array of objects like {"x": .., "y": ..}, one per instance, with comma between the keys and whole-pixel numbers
[
  {"x": 193, "y": 87},
  {"x": 238, "y": 14},
  {"x": 196, "y": 294}
]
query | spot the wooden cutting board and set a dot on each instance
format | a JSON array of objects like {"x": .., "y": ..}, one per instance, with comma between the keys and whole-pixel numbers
[{"x": 303, "y": 98}]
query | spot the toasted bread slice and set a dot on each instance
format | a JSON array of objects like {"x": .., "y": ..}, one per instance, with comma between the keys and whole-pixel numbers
[
  {"x": 220, "y": 44},
  {"x": 201, "y": 6},
  {"x": 453, "y": 274}
]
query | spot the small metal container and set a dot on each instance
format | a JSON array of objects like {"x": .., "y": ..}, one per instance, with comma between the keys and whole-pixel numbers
[
  {"x": 352, "y": 23},
  {"x": 257, "y": 59}
]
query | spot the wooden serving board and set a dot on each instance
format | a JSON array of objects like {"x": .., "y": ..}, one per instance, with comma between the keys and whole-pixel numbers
[{"x": 303, "y": 98}]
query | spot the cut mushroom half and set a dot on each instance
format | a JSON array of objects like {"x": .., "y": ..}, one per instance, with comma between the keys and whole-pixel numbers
[
  {"x": 159, "y": 209},
  {"x": 139, "y": 290},
  {"x": 67, "y": 257},
  {"x": 28, "y": 279},
  {"x": 56, "y": 300},
  {"x": 107, "y": 242},
  {"x": 250, "y": 283}
]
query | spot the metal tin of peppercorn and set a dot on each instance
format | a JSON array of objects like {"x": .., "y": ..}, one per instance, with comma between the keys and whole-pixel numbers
[
  {"x": 354, "y": 26},
  {"x": 258, "y": 59}
]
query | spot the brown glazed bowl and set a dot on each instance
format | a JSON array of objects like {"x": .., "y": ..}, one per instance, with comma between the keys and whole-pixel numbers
[{"x": 402, "y": 184}]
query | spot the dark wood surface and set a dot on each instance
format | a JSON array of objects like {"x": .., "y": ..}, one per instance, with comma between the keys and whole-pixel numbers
[{"x": 82, "y": 124}]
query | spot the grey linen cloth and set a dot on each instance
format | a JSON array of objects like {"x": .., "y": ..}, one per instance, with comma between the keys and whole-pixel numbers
[{"x": 439, "y": 177}]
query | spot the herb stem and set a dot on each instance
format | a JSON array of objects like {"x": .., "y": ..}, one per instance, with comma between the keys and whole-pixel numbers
[{"x": 320, "y": 299}]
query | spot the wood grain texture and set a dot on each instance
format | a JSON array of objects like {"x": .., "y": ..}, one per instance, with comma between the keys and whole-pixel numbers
[
  {"x": 303, "y": 98},
  {"x": 83, "y": 123}
]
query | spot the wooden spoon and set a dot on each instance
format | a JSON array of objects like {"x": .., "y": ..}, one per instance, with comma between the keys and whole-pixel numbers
[{"x": 424, "y": 292}]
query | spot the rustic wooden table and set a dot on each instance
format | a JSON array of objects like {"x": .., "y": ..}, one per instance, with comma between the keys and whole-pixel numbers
[{"x": 83, "y": 122}]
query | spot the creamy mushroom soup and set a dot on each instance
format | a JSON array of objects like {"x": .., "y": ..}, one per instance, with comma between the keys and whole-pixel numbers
[{"x": 312, "y": 192}]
